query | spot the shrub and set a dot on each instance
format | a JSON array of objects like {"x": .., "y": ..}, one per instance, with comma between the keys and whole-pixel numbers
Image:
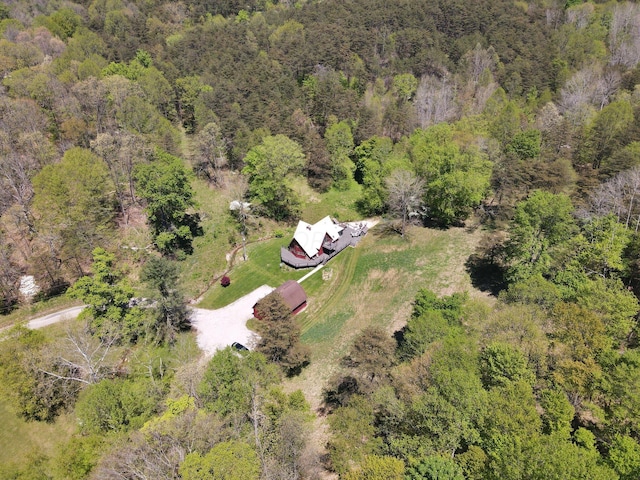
[{"x": 225, "y": 281}]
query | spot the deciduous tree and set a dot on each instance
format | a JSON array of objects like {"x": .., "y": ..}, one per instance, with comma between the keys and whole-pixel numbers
[
  {"x": 280, "y": 334},
  {"x": 405, "y": 195},
  {"x": 165, "y": 186},
  {"x": 269, "y": 167},
  {"x": 73, "y": 203},
  {"x": 168, "y": 314},
  {"x": 108, "y": 299}
]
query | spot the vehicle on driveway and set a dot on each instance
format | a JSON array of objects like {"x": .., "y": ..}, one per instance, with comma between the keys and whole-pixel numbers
[{"x": 239, "y": 347}]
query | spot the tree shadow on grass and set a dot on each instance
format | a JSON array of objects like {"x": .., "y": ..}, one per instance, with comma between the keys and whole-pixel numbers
[{"x": 486, "y": 272}]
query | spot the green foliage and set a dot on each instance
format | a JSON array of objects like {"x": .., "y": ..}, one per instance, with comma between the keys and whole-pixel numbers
[
  {"x": 370, "y": 357},
  {"x": 558, "y": 413},
  {"x": 405, "y": 85},
  {"x": 169, "y": 314},
  {"x": 540, "y": 223},
  {"x": 534, "y": 290},
  {"x": 501, "y": 363},
  {"x": 230, "y": 381},
  {"x": 622, "y": 393},
  {"x": 74, "y": 202},
  {"x": 608, "y": 132},
  {"x": 434, "y": 468},
  {"x": 624, "y": 457},
  {"x": 372, "y": 158},
  {"x": 525, "y": 145},
  {"x": 375, "y": 467},
  {"x": 450, "y": 306},
  {"x": 339, "y": 141},
  {"x": 19, "y": 384},
  {"x": 108, "y": 299},
  {"x": 268, "y": 167},
  {"x": 352, "y": 437},
  {"x": 614, "y": 303},
  {"x": 457, "y": 177},
  {"x": 76, "y": 459},
  {"x": 62, "y": 23},
  {"x": 116, "y": 405},
  {"x": 421, "y": 331},
  {"x": 232, "y": 460},
  {"x": 164, "y": 185},
  {"x": 600, "y": 247},
  {"x": 621, "y": 160},
  {"x": 581, "y": 330},
  {"x": 280, "y": 335}
]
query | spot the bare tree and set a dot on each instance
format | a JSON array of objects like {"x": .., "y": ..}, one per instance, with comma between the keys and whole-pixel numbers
[
  {"x": 82, "y": 357},
  {"x": 9, "y": 277},
  {"x": 580, "y": 15},
  {"x": 624, "y": 35},
  {"x": 241, "y": 209},
  {"x": 435, "y": 100},
  {"x": 210, "y": 154},
  {"x": 405, "y": 194},
  {"x": 121, "y": 151},
  {"x": 620, "y": 196},
  {"x": 158, "y": 452}
]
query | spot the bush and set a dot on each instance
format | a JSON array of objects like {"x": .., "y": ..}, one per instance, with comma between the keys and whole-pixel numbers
[{"x": 225, "y": 281}]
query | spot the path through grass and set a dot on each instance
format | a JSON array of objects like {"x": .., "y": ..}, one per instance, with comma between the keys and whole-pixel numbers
[
  {"x": 375, "y": 284},
  {"x": 262, "y": 268}
]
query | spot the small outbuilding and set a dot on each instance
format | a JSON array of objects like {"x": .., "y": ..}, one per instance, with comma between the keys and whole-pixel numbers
[{"x": 292, "y": 294}]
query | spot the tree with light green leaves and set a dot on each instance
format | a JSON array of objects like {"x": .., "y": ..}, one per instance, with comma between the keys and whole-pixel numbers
[
  {"x": 74, "y": 203},
  {"x": 108, "y": 298},
  {"x": 456, "y": 176},
  {"x": 374, "y": 467},
  {"x": 339, "y": 141},
  {"x": 540, "y": 223},
  {"x": 165, "y": 186},
  {"x": 270, "y": 167},
  {"x": 231, "y": 460}
]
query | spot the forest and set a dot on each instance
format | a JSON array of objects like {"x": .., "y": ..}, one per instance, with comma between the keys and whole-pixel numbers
[{"x": 486, "y": 328}]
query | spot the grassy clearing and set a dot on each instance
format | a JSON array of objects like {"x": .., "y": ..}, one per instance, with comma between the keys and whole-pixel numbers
[
  {"x": 340, "y": 205},
  {"x": 374, "y": 284},
  {"x": 209, "y": 250},
  {"x": 21, "y": 439},
  {"x": 261, "y": 268}
]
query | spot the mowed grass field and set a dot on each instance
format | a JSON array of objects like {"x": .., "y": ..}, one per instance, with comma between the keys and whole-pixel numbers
[
  {"x": 261, "y": 268},
  {"x": 375, "y": 284}
]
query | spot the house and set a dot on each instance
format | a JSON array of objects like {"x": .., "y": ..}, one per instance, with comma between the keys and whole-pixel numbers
[
  {"x": 310, "y": 241},
  {"x": 292, "y": 294},
  {"x": 315, "y": 244}
]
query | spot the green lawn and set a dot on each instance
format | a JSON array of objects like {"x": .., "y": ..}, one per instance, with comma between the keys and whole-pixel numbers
[
  {"x": 375, "y": 284},
  {"x": 261, "y": 268},
  {"x": 338, "y": 204},
  {"x": 208, "y": 259}
]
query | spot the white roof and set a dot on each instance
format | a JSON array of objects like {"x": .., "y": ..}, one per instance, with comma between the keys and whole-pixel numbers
[{"x": 310, "y": 237}]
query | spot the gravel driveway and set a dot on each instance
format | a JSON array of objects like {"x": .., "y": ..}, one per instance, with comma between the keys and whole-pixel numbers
[{"x": 218, "y": 328}]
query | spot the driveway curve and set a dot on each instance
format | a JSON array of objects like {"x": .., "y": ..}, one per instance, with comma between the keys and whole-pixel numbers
[
  {"x": 219, "y": 328},
  {"x": 66, "y": 314}
]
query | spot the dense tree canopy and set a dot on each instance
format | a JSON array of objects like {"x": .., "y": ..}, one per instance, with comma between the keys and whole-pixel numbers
[{"x": 520, "y": 117}]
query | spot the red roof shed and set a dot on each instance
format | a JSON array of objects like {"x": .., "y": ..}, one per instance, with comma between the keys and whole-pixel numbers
[{"x": 293, "y": 295}]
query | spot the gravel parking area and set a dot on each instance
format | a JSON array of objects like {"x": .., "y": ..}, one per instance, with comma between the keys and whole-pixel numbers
[{"x": 217, "y": 329}]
